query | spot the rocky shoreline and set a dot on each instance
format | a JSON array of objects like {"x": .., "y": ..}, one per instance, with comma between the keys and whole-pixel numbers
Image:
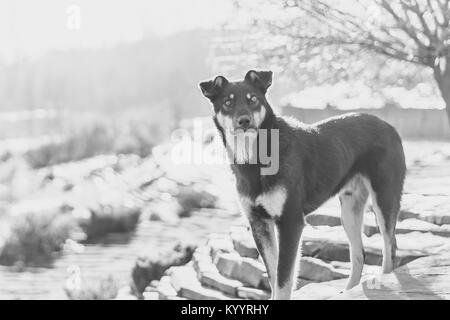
[{"x": 228, "y": 265}]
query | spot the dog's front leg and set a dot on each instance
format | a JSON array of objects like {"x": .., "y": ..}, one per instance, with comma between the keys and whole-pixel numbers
[
  {"x": 290, "y": 227},
  {"x": 263, "y": 229}
]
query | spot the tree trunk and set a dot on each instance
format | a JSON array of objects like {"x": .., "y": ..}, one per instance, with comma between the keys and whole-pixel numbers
[{"x": 443, "y": 80}]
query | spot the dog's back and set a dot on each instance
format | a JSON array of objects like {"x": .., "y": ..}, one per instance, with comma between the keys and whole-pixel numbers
[{"x": 336, "y": 149}]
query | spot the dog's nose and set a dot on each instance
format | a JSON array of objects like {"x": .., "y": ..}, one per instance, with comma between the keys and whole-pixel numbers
[{"x": 244, "y": 121}]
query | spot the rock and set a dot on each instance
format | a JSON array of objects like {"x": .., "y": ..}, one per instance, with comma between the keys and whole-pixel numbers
[
  {"x": 228, "y": 264},
  {"x": 185, "y": 282},
  {"x": 168, "y": 211},
  {"x": 151, "y": 296},
  {"x": 200, "y": 293},
  {"x": 323, "y": 219},
  {"x": 346, "y": 266},
  {"x": 252, "y": 293},
  {"x": 424, "y": 279},
  {"x": 328, "y": 214},
  {"x": 244, "y": 244},
  {"x": 320, "y": 291},
  {"x": 317, "y": 270},
  {"x": 153, "y": 266},
  {"x": 246, "y": 270},
  {"x": 221, "y": 283},
  {"x": 165, "y": 289},
  {"x": 153, "y": 284},
  {"x": 431, "y": 208},
  {"x": 265, "y": 282},
  {"x": 176, "y": 298},
  {"x": 219, "y": 244},
  {"x": 413, "y": 244},
  {"x": 331, "y": 244},
  {"x": 183, "y": 276},
  {"x": 125, "y": 293},
  {"x": 301, "y": 283},
  {"x": 326, "y": 243},
  {"x": 202, "y": 261},
  {"x": 410, "y": 225}
]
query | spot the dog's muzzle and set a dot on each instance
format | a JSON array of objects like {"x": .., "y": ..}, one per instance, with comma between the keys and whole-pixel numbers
[{"x": 244, "y": 123}]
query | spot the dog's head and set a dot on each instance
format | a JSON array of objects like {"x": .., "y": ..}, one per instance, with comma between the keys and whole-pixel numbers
[{"x": 239, "y": 106}]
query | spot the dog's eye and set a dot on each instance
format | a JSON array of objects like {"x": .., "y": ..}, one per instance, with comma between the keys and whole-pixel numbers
[
  {"x": 227, "y": 104},
  {"x": 253, "y": 99}
]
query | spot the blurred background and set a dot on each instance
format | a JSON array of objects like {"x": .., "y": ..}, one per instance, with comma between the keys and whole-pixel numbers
[{"x": 90, "y": 92}]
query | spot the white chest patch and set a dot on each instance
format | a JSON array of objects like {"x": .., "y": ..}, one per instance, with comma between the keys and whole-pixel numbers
[{"x": 272, "y": 201}]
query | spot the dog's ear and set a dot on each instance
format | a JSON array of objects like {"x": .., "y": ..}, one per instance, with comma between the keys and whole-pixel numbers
[
  {"x": 212, "y": 89},
  {"x": 260, "y": 79}
]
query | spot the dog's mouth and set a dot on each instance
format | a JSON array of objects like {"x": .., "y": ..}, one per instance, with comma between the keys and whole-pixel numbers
[{"x": 239, "y": 131}]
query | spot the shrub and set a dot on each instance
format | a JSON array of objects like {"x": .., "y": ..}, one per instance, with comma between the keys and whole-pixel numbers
[
  {"x": 107, "y": 219},
  {"x": 193, "y": 197},
  {"x": 134, "y": 132},
  {"x": 91, "y": 141},
  {"x": 35, "y": 238},
  {"x": 391, "y": 104},
  {"x": 152, "y": 267}
]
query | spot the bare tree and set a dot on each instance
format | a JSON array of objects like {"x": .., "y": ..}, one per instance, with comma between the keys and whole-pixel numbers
[{"x": 412, "y": 31}]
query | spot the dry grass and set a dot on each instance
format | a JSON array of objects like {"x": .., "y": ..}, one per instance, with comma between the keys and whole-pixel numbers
[{"x": 36, "y": 238}]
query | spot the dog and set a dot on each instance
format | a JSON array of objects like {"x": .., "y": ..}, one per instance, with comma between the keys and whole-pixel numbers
[{"x": 353, "y": 156}]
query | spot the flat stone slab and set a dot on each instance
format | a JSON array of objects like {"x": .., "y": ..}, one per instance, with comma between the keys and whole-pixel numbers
[
  {"x": 317, "y": 270},
  {"x": 434, "y": 209},
  {"x": 329, "y": 214},
  {"x": 244, "y": 244},
  {"x": 323, "y": 219},
  {"x": 331, "y": 244},
  {"x": 218, "y": 244},
  {"x": 184, "y": 281},
  {"x": 201, "y": 293},
  {"x": 221, "y": 283},
  {"x": 423, "y": 279},
  {"x": 346, "y": 266},
  {"x": 249, "y": 271},
  {"x": 252, "y": 293},
  {"x": 431, "y": 208},
  {"x": 409, "y": 225},
  {"x": 320, "y": 291},
  {"x": 165, "y": 289},
  {"x": 202, "y": 262}
]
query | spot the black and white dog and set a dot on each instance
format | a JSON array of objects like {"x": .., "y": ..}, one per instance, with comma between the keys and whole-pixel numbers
[{"x": 354, "y": 156}]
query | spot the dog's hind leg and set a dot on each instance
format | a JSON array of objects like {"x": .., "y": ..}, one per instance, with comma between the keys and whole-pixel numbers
[
  {"x": 386, "y": 171},
  {"x": 353, "y": 198},
  {"x": 263, "y": 230},
  {"x": 386, "y": 205}
]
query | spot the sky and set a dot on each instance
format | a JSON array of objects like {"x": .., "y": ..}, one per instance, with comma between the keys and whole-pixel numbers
[{"x": 31, "y": 28}]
